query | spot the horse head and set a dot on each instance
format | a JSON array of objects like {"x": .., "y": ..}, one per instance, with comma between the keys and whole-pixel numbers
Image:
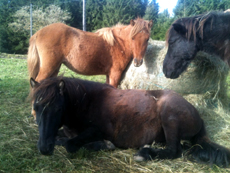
[
  {"x": 139, "y": 34},
  {"x": 181, "y": 50},
  {"x": 49, "y": 105}
]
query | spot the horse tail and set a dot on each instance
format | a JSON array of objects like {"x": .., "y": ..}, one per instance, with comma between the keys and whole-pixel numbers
[
  {"x": 206, "y": 151},
  {"x": 33, "y": 60}
]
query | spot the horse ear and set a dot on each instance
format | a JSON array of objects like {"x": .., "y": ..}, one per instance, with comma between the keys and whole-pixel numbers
[
  {"x": 132, "y": 23},
  {"x": 61, "y": 86},
  {"x": 33, "y": 83},
  {"x": 150, "y": 24},
  {"x": 179, "y": 28}
]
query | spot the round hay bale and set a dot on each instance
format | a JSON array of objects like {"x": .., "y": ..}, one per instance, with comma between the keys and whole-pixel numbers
[{"x": 205, "y": 76}]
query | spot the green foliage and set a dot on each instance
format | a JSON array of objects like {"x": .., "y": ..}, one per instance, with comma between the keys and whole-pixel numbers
[
  {"x": 75, "y": 9},
  {"x": 3, "y": 39},
  {"x": 152, "y": 11},
  {"x": 94, "y": 14},
  {"x": 99, "y": 13},
  {"x": 162, "y": 25},
  {"x": 7, "y": 9},
  {"x": 122, "y": 11},
  {"x": 14, "y": 22},
  {"x": 185, "y": 8},
  {"x": 20, "y": 28}
]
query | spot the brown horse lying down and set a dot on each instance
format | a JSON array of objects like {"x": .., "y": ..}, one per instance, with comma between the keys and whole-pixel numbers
[{"x": 127, "y": 118}]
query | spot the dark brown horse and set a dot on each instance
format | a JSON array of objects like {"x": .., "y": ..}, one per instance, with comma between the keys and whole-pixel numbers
[
  {"x": 108, "y": 51},
  {"x": 127, "y": 118},
  {"x": 208, "y": 32}
]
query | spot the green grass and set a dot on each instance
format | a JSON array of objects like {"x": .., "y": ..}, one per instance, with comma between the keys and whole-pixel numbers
[
  {"x": 228, "y": 85},
  {"x": 19, "y": 135}
]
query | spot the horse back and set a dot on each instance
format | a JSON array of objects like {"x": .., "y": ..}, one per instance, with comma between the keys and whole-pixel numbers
[
  {"x": 83, "y": 52},
  {"x": 128, "y": 117}
]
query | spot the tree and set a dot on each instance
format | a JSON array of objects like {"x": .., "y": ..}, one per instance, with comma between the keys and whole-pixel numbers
[
  {"x": 75, "y": 9},
  {"x": 162, "y": 25},
  {"x": 41, "y": 17},
  {"x": 152, "y": 10},
  {"x": 186, "y": 8},
  {"x": 122, "y": 11},
  {"x": 7, "y": 9},
  {"x": 94, "y": 14}
]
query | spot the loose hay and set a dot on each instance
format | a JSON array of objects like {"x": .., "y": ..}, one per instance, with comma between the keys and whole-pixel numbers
[
  {"x": 205, "y": 78},
  {"x": 203, "y": 84}
]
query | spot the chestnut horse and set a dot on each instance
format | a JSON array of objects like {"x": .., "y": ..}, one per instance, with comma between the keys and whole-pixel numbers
[
  {"x": 127, "y": 118},
  {"x": 108, "y": 51},
  {"x": 207, "y": 32}
]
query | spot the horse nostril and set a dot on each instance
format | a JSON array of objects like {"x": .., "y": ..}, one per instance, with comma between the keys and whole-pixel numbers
[
  {"x": 137, "y": 62},
  {"x": 141, "y": 61}
]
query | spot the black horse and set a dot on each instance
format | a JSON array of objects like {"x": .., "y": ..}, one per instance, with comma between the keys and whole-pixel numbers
[
  {"x": 208, "y": 32},
  {"x": 127, "y": 118}
]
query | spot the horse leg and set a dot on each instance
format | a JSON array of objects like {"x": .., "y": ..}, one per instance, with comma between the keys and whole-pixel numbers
[
  {"x": 100, "y": 145},
  {"x": 91, "y": 134},
  {"x": 49, "y": 67},
  {"x": 170, "y": 152},
  {"x": 107, "y": 79},
  {"x": 114, "y": 78},
  {"x": 64, "y": 135},
  {"x": 47, "y": 72},
  {"x": 173, "y": 147}
]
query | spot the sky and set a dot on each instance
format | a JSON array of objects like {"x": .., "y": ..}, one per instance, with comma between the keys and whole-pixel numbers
[{"x": 167, "y": 4}]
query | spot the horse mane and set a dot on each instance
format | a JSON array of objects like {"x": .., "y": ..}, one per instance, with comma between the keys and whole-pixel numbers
[
  {"x": 195, "y": 25},
  {"x": 48, "y": 89},
  {"x": 108, "y": 36},
  {"x": 140, "y": 24}
]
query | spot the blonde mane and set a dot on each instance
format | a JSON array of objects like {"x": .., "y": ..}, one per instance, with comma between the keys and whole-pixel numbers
[{"x": 107, "y": 33}]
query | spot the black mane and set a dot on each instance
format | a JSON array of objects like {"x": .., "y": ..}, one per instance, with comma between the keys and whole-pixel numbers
[
  {"x": 209, "y": 22},
  {"x": 75, "y": 89}
]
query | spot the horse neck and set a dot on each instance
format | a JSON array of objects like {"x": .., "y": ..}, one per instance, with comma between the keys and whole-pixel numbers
[
  {"x": 77, "y": 115},
  {"x": 216, "y": 41},
  {"x": 74, "y": 101},
  {"x": 78, "y": 101},
  {"x": 122, "y": 36}
]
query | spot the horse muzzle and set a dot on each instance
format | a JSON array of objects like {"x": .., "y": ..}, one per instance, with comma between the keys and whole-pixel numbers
[
  {"x": 46, "y": 149},
  {"x": 137, "y": 62}
]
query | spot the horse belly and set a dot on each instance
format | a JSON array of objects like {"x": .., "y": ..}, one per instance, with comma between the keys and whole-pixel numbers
[
  {"x": 135, "y": 139},
  {"x": 89, "y": 56}
]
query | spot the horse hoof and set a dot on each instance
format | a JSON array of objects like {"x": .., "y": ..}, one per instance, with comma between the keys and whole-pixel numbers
[
  {"x": 138, "y": 158},
  {"x": 146, "y": 146},
  {"x": 109, "y": 145}
]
